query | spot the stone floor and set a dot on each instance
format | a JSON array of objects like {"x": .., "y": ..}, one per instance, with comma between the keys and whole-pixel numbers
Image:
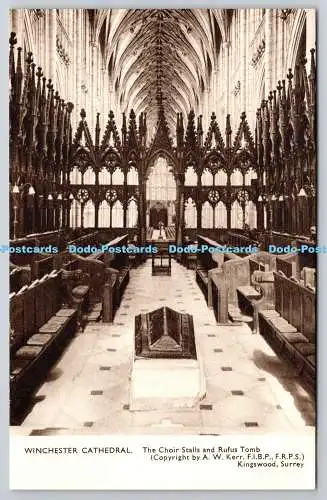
[{"x": 249, "y": 390}]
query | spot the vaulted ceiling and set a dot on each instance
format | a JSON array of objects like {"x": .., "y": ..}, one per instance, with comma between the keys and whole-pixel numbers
[{"x": 160, "y": 58}]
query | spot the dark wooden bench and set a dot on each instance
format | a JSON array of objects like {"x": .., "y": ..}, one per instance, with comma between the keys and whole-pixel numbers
[
  {"x": 39, "y": 330},
  {"x": 290, "y": 328},
  {"x": 108, "y": 276},
  {"x": 235, "y": 290}
]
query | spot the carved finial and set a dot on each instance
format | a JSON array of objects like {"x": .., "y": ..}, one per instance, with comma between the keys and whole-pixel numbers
[
  {"x": 12, "y": 39},
  {"x": 29, "y": 58},
  {"x": 39, "y": 73},
  {"x": 97, "y": 130},
  {"x": 313, "y": 62},
  {"x": 69, "y": 107},
  {"x": 290, "y": 74}
]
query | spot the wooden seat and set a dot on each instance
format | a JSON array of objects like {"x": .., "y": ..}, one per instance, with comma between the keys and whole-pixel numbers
[
  {"x": 290, "y": 328},
  {"x": 249, "y": 292},
  {"x": 28, "y": 352},
  {"x": 39, "y": 339}
]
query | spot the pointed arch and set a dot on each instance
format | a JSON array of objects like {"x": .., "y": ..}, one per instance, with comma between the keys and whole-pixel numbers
[
  {"x": 206, "y": 178},
  {"x": 236, "y": 216},
  {"x": 75, "y": 176},
  {"x": 117, "y": 214},
  {"x": 75, "y": 214},
  {"x": 207, "y": 216},
  {"x": 190, "y": 214},
  {"x": 191, "y": 178},
  {"x": 89, "y": 176},
  {"x": 104, "y": 214},
  {"x": 118, "y": 177},
  {"x": 104, "y": 177},
  {"x": 161, "y": 185},
  {"x": 132, "y": 213},
  {"x": 89, "y": 214},
  {"x": 221, "y": 178},
  {"x": 132, "y": 177},
  {"x": 236, "y": 178},
  {"x": 220, "y": 215}
]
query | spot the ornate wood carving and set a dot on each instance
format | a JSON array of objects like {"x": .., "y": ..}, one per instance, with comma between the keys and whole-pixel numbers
[{"x": 43, "y": 154}]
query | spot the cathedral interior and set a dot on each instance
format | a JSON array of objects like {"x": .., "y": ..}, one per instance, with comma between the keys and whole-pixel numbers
[{"x": 192, "y": 129}]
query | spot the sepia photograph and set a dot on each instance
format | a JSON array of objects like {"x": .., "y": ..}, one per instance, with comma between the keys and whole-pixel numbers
[{"x": 162, "y": 222}]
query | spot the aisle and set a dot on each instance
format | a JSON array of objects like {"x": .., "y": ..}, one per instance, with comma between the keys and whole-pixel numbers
[{"x": 249, "y": 390}]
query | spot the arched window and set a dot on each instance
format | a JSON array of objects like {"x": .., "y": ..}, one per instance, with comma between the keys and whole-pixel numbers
[
  {"x": 236, "y": 216},
  {"x": 206, "y": 178},
  {"x": 251, "y": 214},
  {"x": 89, "y": 176},
  {"x": 75, "y": 214},
  {"x": 104, "y": 177},
  {"x": 118, "y": 177},
  {"x": 236, "y": 179},
  {"x": 104, "y": 214},
  {"x": 132, "y": 177},
  {"x": 191, "y": 179},
  {"x": 89, "y": 214},
  {"x": 117, "y": 215},
  {"x": 207, "y": 216},
  {"x": 221, "y": 178},
  {"x": 132, "y": 213},
  {"x": 75, "y": 176},
  {"x": 220, "y": 215},
  {"x": 161, "y": 185},
  {"x": 190, "y": 214}
]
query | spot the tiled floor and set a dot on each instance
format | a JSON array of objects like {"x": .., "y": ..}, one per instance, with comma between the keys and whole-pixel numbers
[{"x": 249, "y": 390}]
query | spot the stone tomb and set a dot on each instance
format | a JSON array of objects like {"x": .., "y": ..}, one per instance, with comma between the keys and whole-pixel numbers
[{"x": 166, "y": 370}]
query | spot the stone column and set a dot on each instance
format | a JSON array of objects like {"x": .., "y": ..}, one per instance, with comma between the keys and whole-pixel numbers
[
  {"x": 93, "y": 89},
  {"x": 206, "y": 110},
  {"x": 269, "y": 84},
  {"x": 17, "y": 25},
  {"x": 78, "y": 59},
  {"x": 243, "y": 43},
  {"x": 199, "y": 215},
  {"x": 310, "y": 34},
  {"x": 226, "y": 64},
  {"x": 105, "y": 87},
  {"x": 110, "y": 95},
  {"x": 215, "y": 92},
  {"x": 280, "y": 51},
  {"x": 52, "y": 54}
]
